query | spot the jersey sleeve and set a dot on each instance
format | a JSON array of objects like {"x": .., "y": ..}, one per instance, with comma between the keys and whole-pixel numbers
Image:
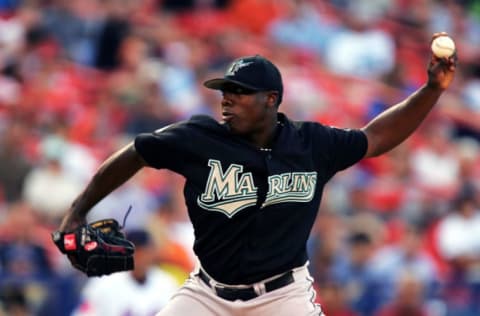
[
  {"x": 339, "y": 148},
  {"x": 165, "y": 148}
]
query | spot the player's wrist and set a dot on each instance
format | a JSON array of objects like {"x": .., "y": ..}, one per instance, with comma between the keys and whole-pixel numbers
[
  {"x": 433, "y": 87},
  {"x": 72, "y": 220}
]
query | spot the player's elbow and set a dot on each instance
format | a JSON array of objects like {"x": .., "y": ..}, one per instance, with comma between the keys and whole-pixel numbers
[{"x": 378, "y": 144}]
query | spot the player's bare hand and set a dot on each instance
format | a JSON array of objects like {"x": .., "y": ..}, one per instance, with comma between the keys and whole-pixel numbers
[{"x": 441, "y": 71}]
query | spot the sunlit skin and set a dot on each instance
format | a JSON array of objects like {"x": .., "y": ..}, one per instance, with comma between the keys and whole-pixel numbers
[{"x": 251, "y": 115}]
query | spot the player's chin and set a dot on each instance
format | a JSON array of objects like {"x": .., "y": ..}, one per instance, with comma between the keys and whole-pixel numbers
[
  {"x": 231, "y": 128},
  {"x": 229, "y": 122},
  {"x": 234, "y": 128}
]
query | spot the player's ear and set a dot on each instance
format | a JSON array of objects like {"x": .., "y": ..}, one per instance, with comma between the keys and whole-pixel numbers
[{"x": 272, "y": 98}]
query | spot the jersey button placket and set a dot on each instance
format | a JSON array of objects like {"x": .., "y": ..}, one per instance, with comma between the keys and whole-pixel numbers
[{"x": 267, "y": 152}]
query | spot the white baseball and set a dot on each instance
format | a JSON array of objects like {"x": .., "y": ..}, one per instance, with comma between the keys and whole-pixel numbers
[{"x": 443, "y": 46}]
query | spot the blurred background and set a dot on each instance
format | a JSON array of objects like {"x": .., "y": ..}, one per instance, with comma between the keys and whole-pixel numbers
[{"x": 396, "y": 235}]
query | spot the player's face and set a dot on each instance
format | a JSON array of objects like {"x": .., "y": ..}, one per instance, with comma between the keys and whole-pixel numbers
[{"x": 245, "y": 111}]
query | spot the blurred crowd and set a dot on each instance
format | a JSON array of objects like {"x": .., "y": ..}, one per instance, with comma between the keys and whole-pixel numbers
[{"x": 396, "y": 235}]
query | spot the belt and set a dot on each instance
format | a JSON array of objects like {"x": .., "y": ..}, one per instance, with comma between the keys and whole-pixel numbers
[{"x": 247, "y": 293}]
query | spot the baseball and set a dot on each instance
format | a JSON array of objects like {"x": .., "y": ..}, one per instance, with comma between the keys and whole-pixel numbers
[{"x": 443, "y": 46}]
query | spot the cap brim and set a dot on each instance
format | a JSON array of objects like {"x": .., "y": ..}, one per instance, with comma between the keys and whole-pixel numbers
[{"x": 219, "y": 84}]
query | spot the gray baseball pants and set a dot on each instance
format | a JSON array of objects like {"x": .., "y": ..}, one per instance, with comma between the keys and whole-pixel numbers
[{"x": 197, "y": 298}]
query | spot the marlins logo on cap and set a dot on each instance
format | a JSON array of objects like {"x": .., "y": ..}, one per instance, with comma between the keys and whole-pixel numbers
[{"x": 236, "y": 66}]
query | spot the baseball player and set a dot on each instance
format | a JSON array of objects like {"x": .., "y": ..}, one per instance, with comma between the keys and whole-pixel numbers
[{"x": 254, "y": 182}]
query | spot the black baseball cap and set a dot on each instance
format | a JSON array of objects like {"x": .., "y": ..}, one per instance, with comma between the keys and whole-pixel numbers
[{"x": 254, "y": 73}]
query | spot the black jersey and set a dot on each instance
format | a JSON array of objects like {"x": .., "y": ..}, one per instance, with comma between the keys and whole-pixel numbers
[{"x": 252, "y": 209}]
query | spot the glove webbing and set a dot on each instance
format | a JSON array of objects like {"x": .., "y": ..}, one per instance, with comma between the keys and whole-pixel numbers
[{"x": 106, "y": 264}]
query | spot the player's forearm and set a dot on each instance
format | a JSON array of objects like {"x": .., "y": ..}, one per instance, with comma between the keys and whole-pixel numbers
[
  {"x": 394, "y": 125},
  {"x": 115, "y": 171}
]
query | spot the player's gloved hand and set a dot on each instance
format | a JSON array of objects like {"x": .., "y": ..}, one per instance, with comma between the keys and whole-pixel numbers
[{"x": 99, "y": 248}]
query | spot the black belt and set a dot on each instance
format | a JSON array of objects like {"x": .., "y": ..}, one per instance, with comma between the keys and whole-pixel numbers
[{"x": 245, "y": 294}]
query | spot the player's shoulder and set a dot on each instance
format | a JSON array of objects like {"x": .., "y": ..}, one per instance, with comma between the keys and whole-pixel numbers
[
  {"x": 319, "y": 133},
  {"x": 204, "y": 122},
  {"x": 317, "y": 127},
  {"x": 301, "y": 126}
]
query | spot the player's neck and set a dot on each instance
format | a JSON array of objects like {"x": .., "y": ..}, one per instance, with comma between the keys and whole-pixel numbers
[{"x": 265, "y": 136}]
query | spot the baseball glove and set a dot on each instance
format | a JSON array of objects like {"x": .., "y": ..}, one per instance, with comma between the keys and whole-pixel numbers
[{"x": 99, "y": 248}]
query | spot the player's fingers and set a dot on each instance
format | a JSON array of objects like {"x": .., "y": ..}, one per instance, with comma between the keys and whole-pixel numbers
[
  {"x": 453, "y": 61},
  {"x": 437, "y": 62},
  {"x": 441, "y": 65},
  {"x": 437, "y": 67},
  {"x": 449, "y": 63}
]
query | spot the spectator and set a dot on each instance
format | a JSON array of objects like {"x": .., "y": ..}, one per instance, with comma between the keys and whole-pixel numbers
[
  {"x": 116, "y": 205},
  {"x": 140, "y": 292},
  {"x": 27, "y": 266},
  {"x": 133, "y": 85},
  {"x": 408, "y": 299},
  {"x": 115, "y": 28},
  {"x": 188, "y": 5},
  {"x": 14, "y": 166},
  {"x": 407, "y": 256},
  {"x": 174, "y": 233},
  {"x": 361, "y": 49},
  {"x": 23, "y": 257},
  {"x": 459, "y": 243},
  {"x": 302, "y": 27},
  {"x": 352, "y": 270},
  {"x": 333, "y": 297},
  {"x": 50, "y": 175},
  {"x": 76, "y": 25},
  {"x": 435, "y": 166},
  {"x": 178, "y": 82}
]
